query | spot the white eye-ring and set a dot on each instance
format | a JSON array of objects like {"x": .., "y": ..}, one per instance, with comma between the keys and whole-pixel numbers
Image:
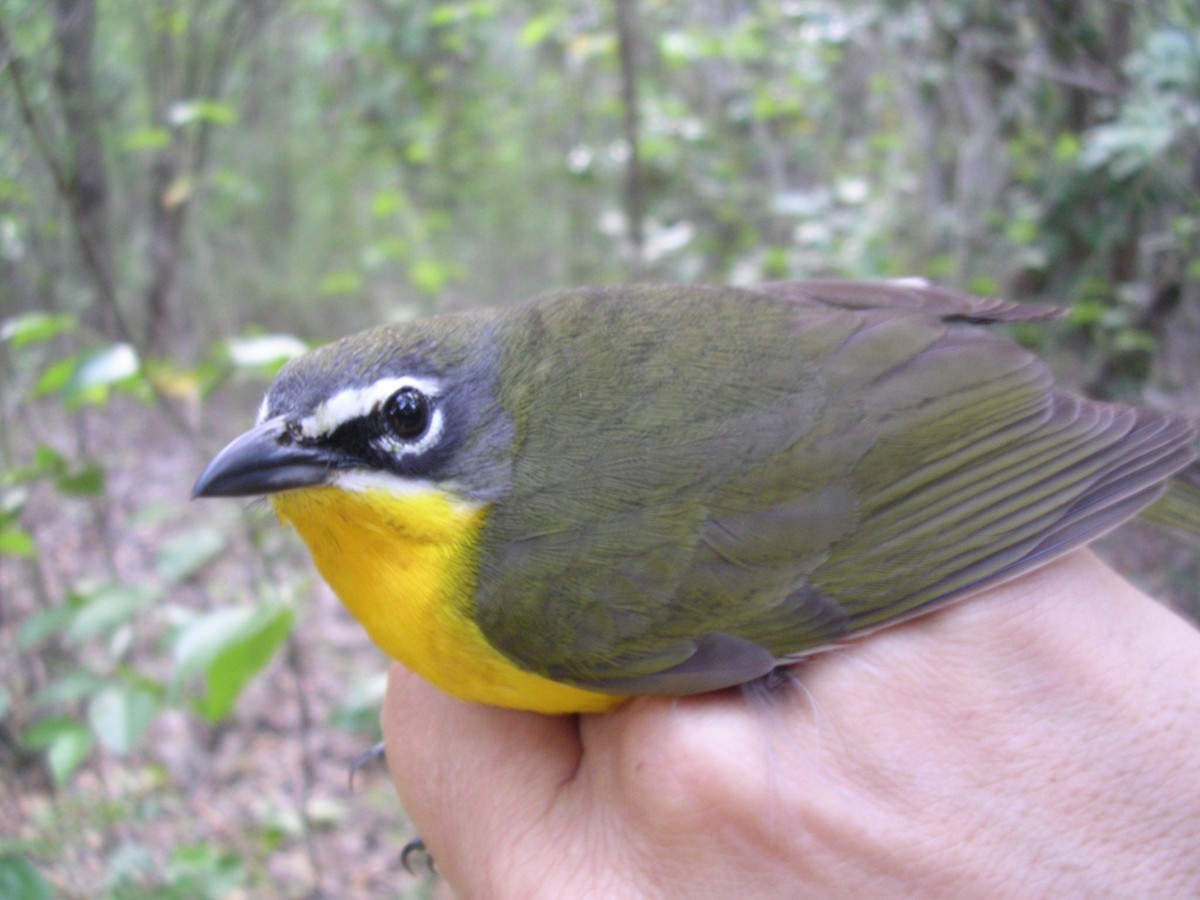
[
  {"x": 407, "y": 414},
  {"x": 414, "y": 423}
]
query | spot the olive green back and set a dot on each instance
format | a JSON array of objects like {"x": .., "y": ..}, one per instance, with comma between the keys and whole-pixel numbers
[{"x": 708, "y": 481}]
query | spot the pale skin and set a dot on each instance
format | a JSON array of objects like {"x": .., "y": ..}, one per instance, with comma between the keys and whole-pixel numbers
[{"x": 1040, "y": 739}]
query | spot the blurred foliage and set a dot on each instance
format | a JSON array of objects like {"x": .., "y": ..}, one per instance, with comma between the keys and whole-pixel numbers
[
  {"x": 185, "y": 184},
  {"x": 358, "y": 161}
]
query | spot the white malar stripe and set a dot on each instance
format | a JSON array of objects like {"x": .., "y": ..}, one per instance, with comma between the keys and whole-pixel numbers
[
  {"x": 360, "y": 481},
  {"x": 353, "y": 403},
  {"x": 263, "y": 408}
]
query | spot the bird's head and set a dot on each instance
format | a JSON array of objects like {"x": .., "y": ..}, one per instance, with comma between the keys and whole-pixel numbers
[{"x": 396, "y": 408}]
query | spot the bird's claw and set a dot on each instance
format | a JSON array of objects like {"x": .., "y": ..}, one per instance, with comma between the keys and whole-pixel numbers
[
  {"x": 367, "y": 756},
  {"x": 416, "y": 846}
]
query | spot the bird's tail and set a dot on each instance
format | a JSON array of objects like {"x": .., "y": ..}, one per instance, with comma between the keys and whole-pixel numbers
[{"x": 1179, "y": 507}]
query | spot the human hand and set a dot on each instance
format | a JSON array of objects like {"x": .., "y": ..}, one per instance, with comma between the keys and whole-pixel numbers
[{"x": 1039, "y": 739}]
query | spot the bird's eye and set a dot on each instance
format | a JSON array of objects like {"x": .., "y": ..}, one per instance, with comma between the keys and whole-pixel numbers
[{"x": 407, "y": 413}]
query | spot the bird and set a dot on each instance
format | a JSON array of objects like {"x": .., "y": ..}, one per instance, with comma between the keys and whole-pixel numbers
[{"x": 608, "y": 492}]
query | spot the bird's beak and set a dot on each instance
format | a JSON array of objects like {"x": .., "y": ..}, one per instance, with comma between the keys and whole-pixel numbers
[{"x": 265, "y": 460}]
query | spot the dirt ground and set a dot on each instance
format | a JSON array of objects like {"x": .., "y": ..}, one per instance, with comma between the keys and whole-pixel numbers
[{"x": 269, "y": 787}]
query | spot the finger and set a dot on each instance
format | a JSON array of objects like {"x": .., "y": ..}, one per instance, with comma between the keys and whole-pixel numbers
[
  {"x": 661, "y": 749},
  {"x": 476, "y": 780}
]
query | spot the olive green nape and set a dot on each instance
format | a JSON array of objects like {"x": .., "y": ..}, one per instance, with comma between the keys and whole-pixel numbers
[{"x": 705, "y": 474}]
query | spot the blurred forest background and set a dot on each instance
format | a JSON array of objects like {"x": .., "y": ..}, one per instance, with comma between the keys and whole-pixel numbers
[{"x": 193, "y": 190}]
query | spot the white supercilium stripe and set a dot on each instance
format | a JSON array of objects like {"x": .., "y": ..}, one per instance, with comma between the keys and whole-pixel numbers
[{"x": 354, "y": 403}]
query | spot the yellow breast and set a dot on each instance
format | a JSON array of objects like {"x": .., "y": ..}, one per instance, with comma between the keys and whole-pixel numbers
[{"x": 404, "y": 565}]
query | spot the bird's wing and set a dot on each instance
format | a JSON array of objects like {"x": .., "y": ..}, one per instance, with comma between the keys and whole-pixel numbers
[
  {"x": 909, "y": 295},
  {"x": 951, "y": 502},
  {"x": 903, "y": 462}
]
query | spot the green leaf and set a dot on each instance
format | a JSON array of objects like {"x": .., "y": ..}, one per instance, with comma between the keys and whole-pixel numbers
[
  {"x": 1067, "y": 147},
  {"x": 200, "y": 640},
  {"x": 16, "y": 542},
  {"x": 185, "y": 112},
  {"x": 70, "y": 687},
  {"x": 120, "y": 715},
  {"x": 110, "y": 606},
  {"x": 324, "y": 812},
  {"x": 5, "y": 703},
  {"x": 147, "y": 139},
  {"x": 22, "y": 880},
  {"x": 87, "y": 378},
  {"x": 203, "y": 870},
  {"x": 230, "y": 646},
  {"x": 984, "y": 285},
  {"x": 186, "y": 554},
  {"x": 87, "y": 481},
  {"x": 40, "y": 626},
  {"x": 14, "y": 192},
  {"x": 101, "y": 370},
  {"x": 172, "y": 22},
  {"x": 49, "y": 461},
  {"x": 233, "y": 668},
  {"x": 264, "y": 351},
  {"x": 56, "y": 376},
  {"x": 938, "y": 267},
  {"x": 429, "y": 276},
  {"x": 12, "y": 500},
  {"x": 1139, "y": 137},
  {"x": 337, "y": 283},
  {"x": 35, "y": 327},
  {"x": 65, "y": 742},
  {"x": 447, "y": 14},
  {"x": 539, "y": 28},
  {"x": 1133, "y": 340},
  {"x": 131, "y": 865},
  {"x": 383, "y": 251},
  {"x": 1086, "y": 312},
  {"x": 359, "y": 709},
  {"x": 388, "y": 203},
  {"x": 1022, "y": 231},
  {"x": 156, "y": 512}
]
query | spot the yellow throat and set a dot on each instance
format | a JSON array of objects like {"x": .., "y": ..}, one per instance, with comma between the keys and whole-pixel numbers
[{"x": 405, "y": 567}]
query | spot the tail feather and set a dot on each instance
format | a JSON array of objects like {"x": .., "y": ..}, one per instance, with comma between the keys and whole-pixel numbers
[{"x": 1179, "y": 508}]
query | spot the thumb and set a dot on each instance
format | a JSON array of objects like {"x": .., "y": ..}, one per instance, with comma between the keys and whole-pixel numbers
[{"x": 471, "y": 777}]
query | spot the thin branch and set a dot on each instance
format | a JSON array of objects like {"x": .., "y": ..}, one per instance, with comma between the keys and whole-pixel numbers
[
  {"x": 308, "y": 770},
  {"x": 1087, "y": 78}
]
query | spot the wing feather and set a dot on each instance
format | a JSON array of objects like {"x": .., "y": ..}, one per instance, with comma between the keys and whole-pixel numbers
[
  {"x": 874, "y": 457},
  {"x": 910, "y": 295},
  {"x": 1095, "y": 465}
]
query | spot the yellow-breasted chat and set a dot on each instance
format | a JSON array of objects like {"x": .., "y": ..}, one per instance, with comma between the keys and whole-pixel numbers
[{"x": 617, "y": 491}]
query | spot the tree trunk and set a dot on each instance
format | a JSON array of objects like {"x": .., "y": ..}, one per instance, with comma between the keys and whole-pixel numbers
[
  {"x": 85, "y": 175},
  {"x": 634, "y": 197},
  {"x": 169, "y": 201}
]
